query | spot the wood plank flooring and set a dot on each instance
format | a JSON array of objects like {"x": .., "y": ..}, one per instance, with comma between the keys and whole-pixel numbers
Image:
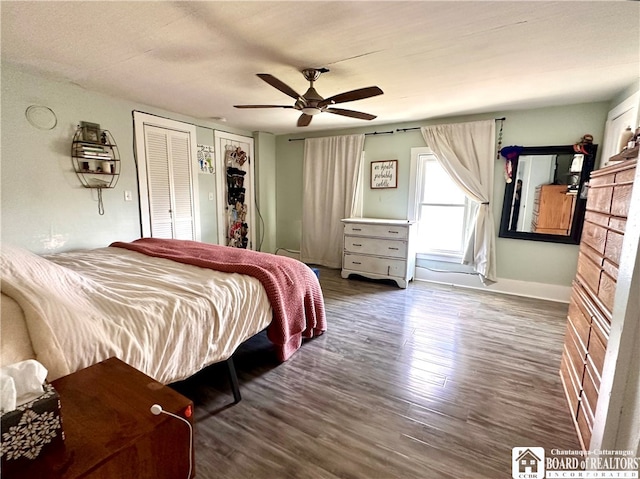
[{"x": 427, "y": 382}]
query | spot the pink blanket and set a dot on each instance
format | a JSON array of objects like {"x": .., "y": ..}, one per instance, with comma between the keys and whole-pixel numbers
[{"x": 292, "y": 287}]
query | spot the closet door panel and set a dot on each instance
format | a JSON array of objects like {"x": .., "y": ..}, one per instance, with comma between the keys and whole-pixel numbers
[
  {"x": 181, "y": 175},
  {"x": 158, "y": 182}
]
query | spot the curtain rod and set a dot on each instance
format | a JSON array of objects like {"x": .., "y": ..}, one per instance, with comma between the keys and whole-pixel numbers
[
  {"x": 366, "y": 134},
  {"x": 418, "y": 127},
  {"x": 392, "y": 132}
]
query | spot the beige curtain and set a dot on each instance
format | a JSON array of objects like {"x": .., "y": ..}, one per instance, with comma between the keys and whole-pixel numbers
[
  {"x": 330, "y": 183},
  {"x": 466, "y": 151}
]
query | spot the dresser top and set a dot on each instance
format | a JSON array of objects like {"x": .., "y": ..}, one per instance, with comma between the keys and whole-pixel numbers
[{"x": 377, "y": 221}]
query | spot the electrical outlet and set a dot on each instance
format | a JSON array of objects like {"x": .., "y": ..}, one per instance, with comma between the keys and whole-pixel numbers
[{"x": 127, "y": 196}]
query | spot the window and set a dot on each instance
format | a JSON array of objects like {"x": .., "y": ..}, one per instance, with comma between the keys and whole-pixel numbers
[{"x": 440, "y": 207}]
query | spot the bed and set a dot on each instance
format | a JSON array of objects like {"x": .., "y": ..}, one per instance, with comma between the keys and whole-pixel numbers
[{"x": 166, "y": 307}]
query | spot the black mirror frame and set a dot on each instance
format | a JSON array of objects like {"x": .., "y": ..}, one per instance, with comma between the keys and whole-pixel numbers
[{"x": 578, "y": 215}]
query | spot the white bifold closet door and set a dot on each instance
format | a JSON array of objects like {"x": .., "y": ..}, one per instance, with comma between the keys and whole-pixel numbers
[{"x": 168, "y": 184}]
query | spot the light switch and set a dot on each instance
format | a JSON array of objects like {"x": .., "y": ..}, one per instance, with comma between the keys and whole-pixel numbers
[
  {"x": 127, "y": 195},
  {"x": 210, "y": 196}
]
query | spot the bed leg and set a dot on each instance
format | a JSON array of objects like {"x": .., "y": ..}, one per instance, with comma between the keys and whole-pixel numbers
[{"x": 233, "y": 378}]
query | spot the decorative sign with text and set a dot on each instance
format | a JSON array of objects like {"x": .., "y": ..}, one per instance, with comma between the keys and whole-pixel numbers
[{"x": 384, "y": 174}]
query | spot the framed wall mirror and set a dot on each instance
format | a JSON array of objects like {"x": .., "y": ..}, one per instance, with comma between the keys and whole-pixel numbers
[{"x": 547, "y": 196}]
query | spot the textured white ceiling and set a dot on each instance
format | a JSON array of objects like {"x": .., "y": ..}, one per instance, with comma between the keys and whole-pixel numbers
[{"x": 432, "y": 59}]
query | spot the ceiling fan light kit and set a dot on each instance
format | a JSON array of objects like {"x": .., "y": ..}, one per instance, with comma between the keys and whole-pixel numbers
[{"x": 311, "y": 103}]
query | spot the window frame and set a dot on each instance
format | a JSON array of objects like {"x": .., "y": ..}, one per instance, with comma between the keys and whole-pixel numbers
[{"x": 415, "y": 203}]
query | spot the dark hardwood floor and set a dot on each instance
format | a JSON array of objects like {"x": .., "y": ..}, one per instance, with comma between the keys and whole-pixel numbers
[{"x": 427, "y": 382}]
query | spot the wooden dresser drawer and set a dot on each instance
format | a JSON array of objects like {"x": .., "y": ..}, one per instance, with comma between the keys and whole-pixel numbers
[
  {"x": 621, "y": 200},
  {"x": 597, "y": 218},
  {"x": 585, "y": 425},
  {"x": 626, "y": 176},
  {"x": 601, "y": 180},
  {"x": 576, "y": 351},
  {"x": 571, "y": 383},
  {"x": 378, "y": 231},
  {"x": 618, "y": 224},
  {"x": 613, "y": 247},
  {"x": 589, "y": 271},
  {"x": 607, "y": 290},
  {"x": 372, "y": 264},
  {"x": 580, "y": 318},
  {"x": 599, "y": 198},
  {"x": 590, "y": 384},
  {"x": 595, "y": 236},
  {"x": 592, "y": 254},
  {"x": 380, "y": 247},
  {"x": 596, "y": 354}
]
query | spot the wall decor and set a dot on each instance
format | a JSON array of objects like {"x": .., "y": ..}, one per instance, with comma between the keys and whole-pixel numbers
[
  {"x": 41, "y": 117},
  {"x": 205, "y": 159},
  {"x": 384, "y": 174},
  {"x": 90, "y": 132}
]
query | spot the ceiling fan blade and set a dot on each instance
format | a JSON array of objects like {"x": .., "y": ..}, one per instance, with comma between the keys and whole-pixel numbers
[
  {"x": 359, "y": 94},
  {"x": 283, "y": 87},
  {"x": 304, "y": 120},
  {"x": 262, "y": 106},
  {"x": 351, "y": 113}
]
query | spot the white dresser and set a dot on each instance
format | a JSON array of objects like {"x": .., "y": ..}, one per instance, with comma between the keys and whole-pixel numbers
[{"x": 379, "y": 249}]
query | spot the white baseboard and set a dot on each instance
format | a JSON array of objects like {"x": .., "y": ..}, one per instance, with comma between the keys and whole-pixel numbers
[{"x": 528, "y": 289}]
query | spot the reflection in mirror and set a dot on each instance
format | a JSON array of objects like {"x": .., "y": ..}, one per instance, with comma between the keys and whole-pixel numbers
[
  {"x": 544, "y": 202},
  {"x": 546, "y": 186}
]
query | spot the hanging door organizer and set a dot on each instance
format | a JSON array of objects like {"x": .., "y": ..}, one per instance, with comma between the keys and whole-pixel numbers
[
  {"x": 236, "y": 208},
  {"x": 96, "y": 161}
]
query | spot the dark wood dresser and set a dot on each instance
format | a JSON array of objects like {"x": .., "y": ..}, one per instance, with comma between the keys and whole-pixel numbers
[
  {"x": 111, "y": 432},
  {"x": 593, "y": 292}
]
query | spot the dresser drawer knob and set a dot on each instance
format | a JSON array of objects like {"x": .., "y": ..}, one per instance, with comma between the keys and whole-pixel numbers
[
  {"x": 395, "y": 249},
  {"x": 394, "y": 232},
  {"x": 356, "y": 229},
  {"x": 356, "y": 244},
  {"x": 356, "y": 262}
]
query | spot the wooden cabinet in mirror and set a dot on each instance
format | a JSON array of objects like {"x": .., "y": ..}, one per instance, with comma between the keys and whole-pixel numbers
[{"x": 546, "y": 198}]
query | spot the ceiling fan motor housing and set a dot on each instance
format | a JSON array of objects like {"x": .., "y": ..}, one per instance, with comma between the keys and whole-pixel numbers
[{"x": 311, "y": 103}]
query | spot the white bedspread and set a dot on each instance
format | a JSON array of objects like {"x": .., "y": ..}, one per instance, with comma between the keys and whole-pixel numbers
[{"x": 166, "y": 319}]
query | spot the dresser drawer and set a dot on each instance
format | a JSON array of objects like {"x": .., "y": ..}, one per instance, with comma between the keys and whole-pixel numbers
[
  {"x": 595, "y": 357},
  {"x": 589, "y": 272},
  {"x": 613, "y": 247},
  {"x": 621, "y": 200},
  {"x": 618, "y": 224},
  {"x": 580, "y": 318},
  {"x": 379, "y": 247},
  {"x": 592, "y": 254},
  {"x": 585, "y": 425},
  {"x": 595, "y": 236},
  {"x": 378, "y": 231},
  {"x": 371, "y": 264},
  {"x": 570, "y": 382},
  {"x": 590, "y": 385},
  {"x": 576, "y": 351},
  {"x": 599, "y": 198},
  {"x": 607, "y": 290}
]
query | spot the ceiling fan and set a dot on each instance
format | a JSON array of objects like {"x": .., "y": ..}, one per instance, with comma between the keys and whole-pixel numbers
[{"x": 311, "y": 103}]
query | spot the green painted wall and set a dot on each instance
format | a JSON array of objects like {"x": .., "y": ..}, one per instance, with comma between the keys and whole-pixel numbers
[
  {"x": 265, "y": 150},
  {"x": 43, "y": 206},
  {"x": 516, "y": 259}
]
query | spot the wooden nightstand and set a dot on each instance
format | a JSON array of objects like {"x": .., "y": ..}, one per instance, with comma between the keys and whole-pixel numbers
[{"x": 110, "y": 431}]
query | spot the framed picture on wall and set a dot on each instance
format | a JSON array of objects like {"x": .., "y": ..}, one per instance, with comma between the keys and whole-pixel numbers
[
  {"x": 384, "y": 174},
  {"x": 90, "y": 132}
]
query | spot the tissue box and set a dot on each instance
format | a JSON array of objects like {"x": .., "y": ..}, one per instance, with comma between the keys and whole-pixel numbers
[{"x": 31, "y": 430}]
